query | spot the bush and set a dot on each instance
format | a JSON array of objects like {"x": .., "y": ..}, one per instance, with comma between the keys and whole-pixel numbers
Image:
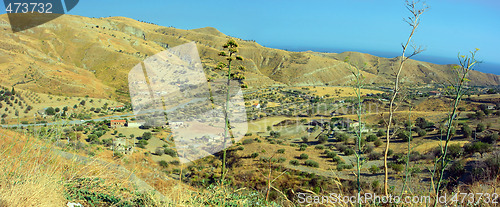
[
  {"x": 455, "y": 151},
  {"x": 491, "y": 138},
  {"x": 404, "y": 135},
  {"x": 311, "y": 163},
  {"x": 337, "y": 159},
  {"x": 304, "y": 156},
  {"x": 304, "y": 139},
  {"x": 323, "y": 138},
  {"x": 275, "y": 134},
  {"x": 374, "y": 169},
  {"x": 348, "y": 152},
  {"x": 421, "y": 132},
  {"x": 480, "y": 127},
  {"x": 320, "y": 147},
  {"x": 390, "y": 152},
  {"x": 240, "y": 148},
  {"x": 371, "y": 138},
  {"x": 457, "y": 169},
  {"x": 331, "y": 154},
  {"x": 248, "y": 141},
  {"x": 170, "y": 152},
  {"x": 374, "y": 156},
  {"x": 377, "y": 143},
  {"x": 147, "y": 135},
  {"x": 281, "y": 160},
  {"x": 294, "y": 162},
  {"x": 254, "y": 155},
  {"x": 466, "y": 131},
  {"x": 381, "y": 133},
  {"x": 163, "y": 163},
  {"x": 397, "y": 167},
  {"x": 341, "y": 147},
  {"x": 479, "y": 147},
  {"x": 281, "y": 151},
  {"x": 159, "y": 151}
]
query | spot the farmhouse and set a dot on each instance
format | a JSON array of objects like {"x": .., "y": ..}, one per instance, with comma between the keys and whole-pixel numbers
[
  {"x": 117, "y": 123},
  {"x": 116, "y": 107}
]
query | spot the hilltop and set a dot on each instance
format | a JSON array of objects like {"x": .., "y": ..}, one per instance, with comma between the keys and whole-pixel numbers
[{"x": 75, "y": 55}]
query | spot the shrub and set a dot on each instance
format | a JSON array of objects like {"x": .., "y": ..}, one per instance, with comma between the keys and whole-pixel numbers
[
  {"x": 397, "y": 167},
  {"x": 421, "y": 132},
  {"x": 374, "y": 156},
  {"x": 170, "y": 152},
  {"x": 304, "y": 139},
  {"x": 311, "y": 163},
  {"x": 294, "y": 162},
  {"x": 320, "y": 147},
  {"x": 399, "y": 158},
  {"x": 390, "y": 152},
  {"x": 275, "y": 134},
  {"x": 457, "y": 169},
  {"x": 368, "y": 148},
  {"x": 163, "y": 163},
  {"x": 159, "y": 151},
  {"x": 491, "y": 138},
  {"x": 281, "y": 151},
  {"x": 248, "y": 141},
  {"x": 377, "y": 143},
  {"x": 341, "y": 147},
  {"x": 455, "y": 151},
  {"x": 371, "y": 138},
  {"x": 381, "y": 133},
  {"x": 147, "y": 135},
  {"x": 240, "y": 148},
  {"x": 404, "y": 135},
  {"x": 348, "y": 152},
  {"x": 326, "y": 151},
  {"x": 479, "y": 147},
  {"x": 175, "y": 162},
  {"x": 281, "y": 160},
  {"x": 254, "y": 155},
  {"x": 337, "y": 159},
  {"x": 304, "y": 156},
  {"x": 374, "y": 169},
  {"x": 466, "y": 131},
  {"x": 331, "y": 154},
  {"x": 117, "y": 155},
  {"x": 480, "y": 127},
  {"x": 323, "y": 138}
]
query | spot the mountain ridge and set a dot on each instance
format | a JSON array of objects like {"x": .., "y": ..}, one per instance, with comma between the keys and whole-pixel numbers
[{"x": 74, "y": 55}]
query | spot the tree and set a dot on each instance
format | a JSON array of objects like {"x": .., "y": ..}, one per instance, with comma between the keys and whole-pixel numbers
[
  {"x": 480, "y": 127},
  {"x": 147, "y": 135},
  {"x": 82, "y": 102},
  {"x": 50, "y": 111},
  {"x": 322, "y": 138},
  {"x": 305, "y": 139}
]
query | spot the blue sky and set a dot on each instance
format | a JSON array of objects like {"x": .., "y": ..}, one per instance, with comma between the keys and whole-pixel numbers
[{"x": 373, "y": 26}]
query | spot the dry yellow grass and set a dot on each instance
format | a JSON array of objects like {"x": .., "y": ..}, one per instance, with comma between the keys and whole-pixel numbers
[{"x": 336, "y": 91}]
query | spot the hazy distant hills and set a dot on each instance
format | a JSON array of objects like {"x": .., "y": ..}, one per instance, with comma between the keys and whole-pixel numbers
[{"x": 74, "y": 55}]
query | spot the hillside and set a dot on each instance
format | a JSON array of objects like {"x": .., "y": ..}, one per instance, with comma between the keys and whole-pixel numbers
[{"x": 74, "y": 55}]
